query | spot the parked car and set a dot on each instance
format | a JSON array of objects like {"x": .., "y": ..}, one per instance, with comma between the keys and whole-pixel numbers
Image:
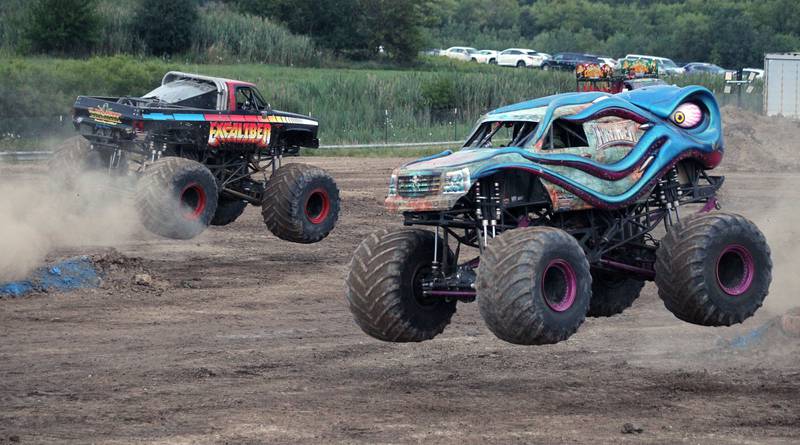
[
  {"x": 466, "y": 54},
  {"x": 491, "y": 55},
  {"x": 757, "y": 73},
  {"x": 568, "y": 61},
  {"x": 521, "y": 58},
  {"x": 704, "y": 68},
  {"x": 665, "y": 65}
]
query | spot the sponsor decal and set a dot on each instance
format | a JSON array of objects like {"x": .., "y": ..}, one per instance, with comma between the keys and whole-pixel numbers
[
  {"x": 105, "y": 115},
  {"x": 639, "y": 68},
  {"x": 593, "y": 71},
  {"x": 615, "y": 133},
  {"x": 257, "y": 133}
]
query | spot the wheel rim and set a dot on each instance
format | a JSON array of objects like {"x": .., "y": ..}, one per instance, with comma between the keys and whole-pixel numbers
[
  {"x": 559, "y": 285},
  {"x": 318, "y": 205},
  {"x": 735, "y": 270},
  {"x": 193, "y": 201},
  {"x": 421, "y": 272}
]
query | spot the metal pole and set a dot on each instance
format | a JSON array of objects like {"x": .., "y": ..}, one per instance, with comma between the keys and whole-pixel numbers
[{"x": 455, "y": 123}]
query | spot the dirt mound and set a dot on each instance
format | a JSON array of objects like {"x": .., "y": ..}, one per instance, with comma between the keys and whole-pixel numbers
[
  {"x": 121, "y": 272},
  {"x": 759, "y": 143}
]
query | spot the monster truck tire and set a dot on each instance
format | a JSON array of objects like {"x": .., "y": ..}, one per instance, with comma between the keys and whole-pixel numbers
[
  {"x": 72, "y": 159},
  {"x": 301, "y": 203},
  {"x": 612, "y": 293},
  {"x": 534, "y": 286},
  {"x": 713, "y": 269},
  {"x": 228, "y": 210},
  {"x": 384, "y": 290},
  {"x": 176, "y": 198}
]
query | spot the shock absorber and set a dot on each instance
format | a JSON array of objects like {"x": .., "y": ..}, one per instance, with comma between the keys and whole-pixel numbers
[
  {"x": 496, "y": 202},
  {"x": 669, "y": 194},
  {"x": 481, "y": 212}
]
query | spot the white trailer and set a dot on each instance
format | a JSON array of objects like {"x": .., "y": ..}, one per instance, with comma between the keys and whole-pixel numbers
[{"x": 782, "y": 85}]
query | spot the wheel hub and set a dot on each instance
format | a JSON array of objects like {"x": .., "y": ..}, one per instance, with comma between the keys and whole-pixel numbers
[
  {"x": 735, "y": 270},
  {"x": 193, "y": 201},
  {"x": 559, "y": 285},
  {"x": 318, "y": 206}
]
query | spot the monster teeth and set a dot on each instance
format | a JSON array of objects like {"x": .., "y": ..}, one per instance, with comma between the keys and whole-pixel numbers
[{"x": 646, "y": 163}]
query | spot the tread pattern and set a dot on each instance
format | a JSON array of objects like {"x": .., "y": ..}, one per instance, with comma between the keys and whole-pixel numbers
[
  {"x": 378, "y": 296},
  {"x": 505, "y": 297},
  {"x": 69, "y": 161},
  {"x": 282, "y": 208},
  {"x": 681, "y": 269},
  {"x": 610, "y": 298},
  {"x": 228, "y": 211},
  {"x": 156, "y": 200}
]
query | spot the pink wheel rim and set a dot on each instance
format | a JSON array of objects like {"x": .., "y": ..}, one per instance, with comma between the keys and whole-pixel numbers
[
  {"x": 193, "y": 199},
  {"x": 559, "y": 285},
  {"x": 735, "y": 270}
]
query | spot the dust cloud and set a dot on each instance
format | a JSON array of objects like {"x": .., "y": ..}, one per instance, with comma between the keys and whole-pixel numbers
[
  {"x": 780, "y": 227},
  {"x": 38, "y": 217}
]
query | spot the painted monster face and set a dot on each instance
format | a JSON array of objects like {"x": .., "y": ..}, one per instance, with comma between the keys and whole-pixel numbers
[{"x": 687, "y": 115}]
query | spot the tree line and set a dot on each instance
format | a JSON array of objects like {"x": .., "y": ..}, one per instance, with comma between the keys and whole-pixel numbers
[{"x": 732, "y": 33}]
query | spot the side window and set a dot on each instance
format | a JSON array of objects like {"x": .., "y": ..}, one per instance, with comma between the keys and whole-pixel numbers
[
  {"x": 565, "y": 134},
  {"x": 247, "y": 99}
]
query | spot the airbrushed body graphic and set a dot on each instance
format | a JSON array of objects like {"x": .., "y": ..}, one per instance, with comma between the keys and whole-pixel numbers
[
  {"x": 560, "y": 197},
  {"x": 631, "y": 139}
]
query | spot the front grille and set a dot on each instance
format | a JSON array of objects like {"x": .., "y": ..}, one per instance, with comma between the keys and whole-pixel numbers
[{"x": 414, "y": 186}]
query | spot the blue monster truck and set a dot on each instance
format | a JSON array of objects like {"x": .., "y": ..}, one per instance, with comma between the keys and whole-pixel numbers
[{"x": 569, "y": 204}]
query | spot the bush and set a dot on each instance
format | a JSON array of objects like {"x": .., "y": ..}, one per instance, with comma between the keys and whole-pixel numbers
[
  {"x": 61, "y": 26},
  {"x": 439, "y": 94},
  {"x": 166, "y": 26}
]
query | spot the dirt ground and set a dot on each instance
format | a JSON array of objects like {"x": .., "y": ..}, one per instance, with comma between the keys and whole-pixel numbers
[{"x": 242, "y": 338}]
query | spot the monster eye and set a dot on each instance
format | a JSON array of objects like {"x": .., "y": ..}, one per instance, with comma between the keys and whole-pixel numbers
[{"x": 688, "y": 115}]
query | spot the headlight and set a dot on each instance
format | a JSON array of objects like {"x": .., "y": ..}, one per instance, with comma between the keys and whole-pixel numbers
[
  {"x": 457, "y": 181},
  {"x": 393, "y": 185}
]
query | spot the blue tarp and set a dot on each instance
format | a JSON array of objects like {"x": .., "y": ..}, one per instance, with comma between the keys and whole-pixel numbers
[{"x": 74, "y": 273}]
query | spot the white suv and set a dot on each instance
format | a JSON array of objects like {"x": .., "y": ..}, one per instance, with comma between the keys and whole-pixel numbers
[
  {"x": 521, "y": 58},
  {"x": 466, "y": 54}
]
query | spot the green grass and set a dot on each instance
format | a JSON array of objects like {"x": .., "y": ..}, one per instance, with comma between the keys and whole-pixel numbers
[
  {"x": 437, "y": 101},
  {"x": 392, "y": 152}
]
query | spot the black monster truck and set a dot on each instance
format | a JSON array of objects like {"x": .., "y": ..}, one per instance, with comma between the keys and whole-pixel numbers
[
  {"x": 200, "y": 149},
  {"x": 562, "y": 198}
]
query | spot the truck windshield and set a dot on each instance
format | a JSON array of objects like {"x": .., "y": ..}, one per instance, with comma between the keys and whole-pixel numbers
[
  {"x": 189, "y": 93},
  {"x": 496, "y": 134}
]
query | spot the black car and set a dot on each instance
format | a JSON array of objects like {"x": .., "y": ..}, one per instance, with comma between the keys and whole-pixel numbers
[{"x": 568, "y": 61}]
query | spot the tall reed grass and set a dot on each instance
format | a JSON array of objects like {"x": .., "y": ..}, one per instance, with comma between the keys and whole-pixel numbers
[{"x": 353, "y": 106}]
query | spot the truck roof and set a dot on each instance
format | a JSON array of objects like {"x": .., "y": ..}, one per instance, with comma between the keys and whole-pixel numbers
[{"x": 176, "y": 75}]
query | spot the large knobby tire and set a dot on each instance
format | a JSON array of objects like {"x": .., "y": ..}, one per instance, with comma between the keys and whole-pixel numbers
[
  {"x": 301, "y": 203},
  {"x": 612, "y": 293},
  {"x": 384, "y": 289},
  {"x": 534, "y": 285},
  {"x": 228, "y": 210},
  {"x": 713, "y": 269},
  {"x": 176, "y": 197},
  {"x": 72, "y": 159}
]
